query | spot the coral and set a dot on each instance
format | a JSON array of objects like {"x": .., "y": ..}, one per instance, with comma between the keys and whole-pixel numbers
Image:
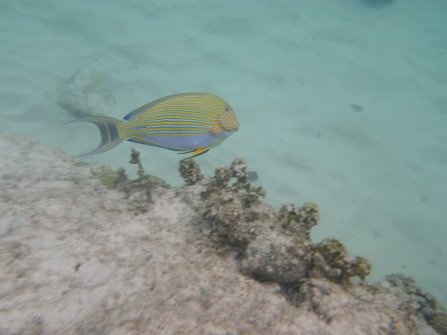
[
  {"x": 234, "y": 216},
  {"x": 128, "y": 267},
  {"x": 135, "y": 159},
  {"x": 224, "y": 215},
  {"x": 361, "y": 311},
  {"x": 230, "y": 220},
  {"x": 107, "y": 176},
  {"x": 272, "y": 246},
  {"x": 138, "y": 191},
  {"x": 249, "y": 194},
  {"x": 222, "y": 176},
  {"x": 190, "y": 171},
  {"x": 252, "y": 195},
  {"x": 331, "y": 260},
  {"x": 239, "y": 170},
  {"x": 298, "y": 221},
  {"x": 438, "y": 320},
  {"x": 417, "y": 301},
  {"x": 233, "y": 213},
  {"x": 144, "y": 181}
]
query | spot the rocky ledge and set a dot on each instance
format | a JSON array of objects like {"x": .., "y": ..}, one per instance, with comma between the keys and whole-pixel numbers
[{"x": 86, "y": 250}]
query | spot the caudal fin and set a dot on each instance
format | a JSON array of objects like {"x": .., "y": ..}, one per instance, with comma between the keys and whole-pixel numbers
[{"x": 110, "y": 134}]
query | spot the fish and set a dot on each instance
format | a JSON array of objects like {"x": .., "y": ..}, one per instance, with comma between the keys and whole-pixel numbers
[{"x": 185, "y": 122}]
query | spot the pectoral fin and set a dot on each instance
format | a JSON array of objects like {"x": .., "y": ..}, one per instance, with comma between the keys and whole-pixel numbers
[{"x": 200, "y": 151}]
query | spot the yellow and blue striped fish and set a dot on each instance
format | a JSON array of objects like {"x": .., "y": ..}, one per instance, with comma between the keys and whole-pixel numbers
[{"x": 186, "y": 122}]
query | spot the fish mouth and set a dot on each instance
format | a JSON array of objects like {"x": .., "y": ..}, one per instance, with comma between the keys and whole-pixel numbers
[
  {"x": 230, "y": 130},
  {"x": 228, "y": 133}
]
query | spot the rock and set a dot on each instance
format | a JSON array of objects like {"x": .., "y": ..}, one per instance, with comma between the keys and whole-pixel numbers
[
  {"x": 276, "y": 257},
  {"x": 75, "y": 258}
]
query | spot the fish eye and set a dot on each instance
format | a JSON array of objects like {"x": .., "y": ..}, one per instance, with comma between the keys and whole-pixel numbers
[{"x": 227, "y": 109}]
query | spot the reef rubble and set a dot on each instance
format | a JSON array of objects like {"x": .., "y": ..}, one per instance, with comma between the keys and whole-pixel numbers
[{"x": 87, "y": 250}]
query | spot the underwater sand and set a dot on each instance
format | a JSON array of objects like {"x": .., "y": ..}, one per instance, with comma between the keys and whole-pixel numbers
[{"x": 342, "y": 103}]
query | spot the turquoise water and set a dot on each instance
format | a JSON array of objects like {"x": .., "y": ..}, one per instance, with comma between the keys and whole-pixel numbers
[{"x": 343, "y": 103}]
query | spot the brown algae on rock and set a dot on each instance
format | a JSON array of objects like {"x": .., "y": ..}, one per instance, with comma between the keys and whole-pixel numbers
[
  {"x": 300, "y": 220},
  {"x": 275, "y": 246},
  {"x": 107, "y": 176},
  {"x": 272, "y": 246},
  {"x": 138, "y": 191},
  {"x": 152, "y": 272},
  {"x": 415, "y": 300},
  {"x": 438, "y": 320},
  {"x": 332, "y": 261},
  {"x": 232, "y": 211},
  {"x": 190, "y": 171}
]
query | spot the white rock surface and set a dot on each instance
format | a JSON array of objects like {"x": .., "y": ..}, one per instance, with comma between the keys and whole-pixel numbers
[{"x": 74, "y": 259}]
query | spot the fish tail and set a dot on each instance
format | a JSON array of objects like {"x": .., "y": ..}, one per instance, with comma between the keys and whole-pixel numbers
[{"x": 111, "y": 132}]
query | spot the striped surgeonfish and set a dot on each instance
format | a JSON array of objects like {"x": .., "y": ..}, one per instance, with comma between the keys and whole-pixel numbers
[{"x": 186, "y": 122}]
